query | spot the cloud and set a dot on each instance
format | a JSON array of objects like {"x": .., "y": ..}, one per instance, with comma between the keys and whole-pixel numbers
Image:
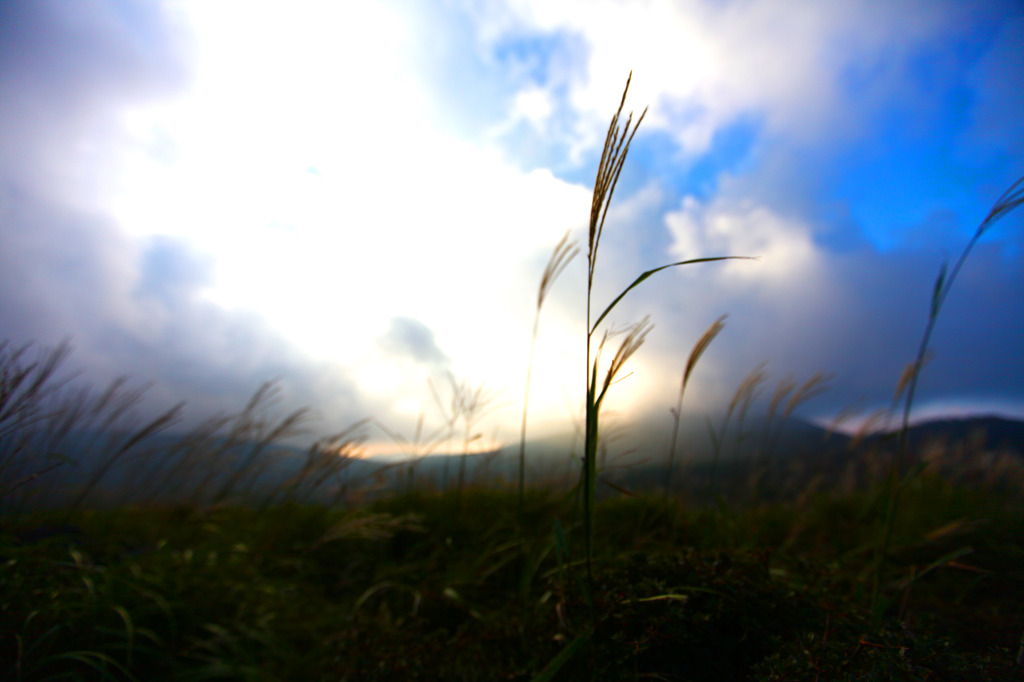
[
  {"x": 742, "y": 228},
  {"x": 413, "y": 339},
  {"x": 857, "y": 313},
  {"x": 206, "y": 208},
  {"x": 809, "y": 72},
  {"x": 264, "y": 225},
  {"x": 139, "y": 312},
  {"x": 67, "y": 72},
  {"x": 997, "y": 80},
  {"x": 61, "y": 270},
  {"x": 69, "y": 76},
  {"x": 170, "y": 273}
]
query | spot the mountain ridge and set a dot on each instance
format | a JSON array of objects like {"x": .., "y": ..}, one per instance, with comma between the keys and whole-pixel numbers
[{"x": 637, "y": 458}]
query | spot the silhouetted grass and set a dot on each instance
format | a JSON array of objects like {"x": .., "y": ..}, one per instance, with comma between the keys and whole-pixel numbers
[
  {"x": 613, "y": 157},
  {"x": 1010, "y": 201}
]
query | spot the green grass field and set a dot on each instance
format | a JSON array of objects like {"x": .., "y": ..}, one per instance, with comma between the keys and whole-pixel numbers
[{"x": 448, "y": 587}]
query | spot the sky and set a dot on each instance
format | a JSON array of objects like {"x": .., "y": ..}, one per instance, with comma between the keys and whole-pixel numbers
[{"x": 357, "y": 200}]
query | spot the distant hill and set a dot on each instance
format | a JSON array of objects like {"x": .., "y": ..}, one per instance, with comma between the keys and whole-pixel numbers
[
  {"x": 990, "y": 433},
  {"x": 636, "y": 455},
  {"x": 766, "y": 457},
  {"x": 752, "y": 456}
]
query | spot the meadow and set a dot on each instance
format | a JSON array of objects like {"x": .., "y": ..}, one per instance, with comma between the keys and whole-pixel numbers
[{"x": 128, "y": 552}]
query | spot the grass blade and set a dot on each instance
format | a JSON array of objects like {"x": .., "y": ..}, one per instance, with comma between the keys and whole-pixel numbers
[
  {"x": 563, "y": 657},
  {"x": 649, "y": 273}
]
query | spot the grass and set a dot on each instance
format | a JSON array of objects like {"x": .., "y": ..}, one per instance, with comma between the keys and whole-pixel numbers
[
  {"x": 410, "y": 588},
  {"x": 563, "y": 254},
  {"x": 214, "y": 570},
  {"x": 1010, "y": 200},
  {"x": 698, "y": 350},
  {"x": 613, "y": 157}
]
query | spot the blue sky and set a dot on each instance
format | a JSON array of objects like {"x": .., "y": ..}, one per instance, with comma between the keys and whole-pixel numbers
[{"x": 356, "y": 199}]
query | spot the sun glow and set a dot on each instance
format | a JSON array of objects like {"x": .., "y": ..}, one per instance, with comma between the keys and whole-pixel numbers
[{"x": 324, "y": 206}]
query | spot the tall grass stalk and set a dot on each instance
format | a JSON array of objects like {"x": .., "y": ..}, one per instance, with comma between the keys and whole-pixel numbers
[
  {"x": 698, "y": 350},
  {"x": 450, "y": 418},
  {"x": 744, "y": 401},
  {"x": 47, "y": 424},
  {"x": 44, "y": 421},
  {"x": 128, "y": 444},
  {"x": 415, "y": 450},
  {"x": 745, "y": 394},
  {"x": 326, "y": 459},
  {"x": 473, "y": 406},
  {"x": 798, "y": 395},
  {"x": 25, "y": 390},
  {"x": 563, "y": 254},
  {"x": 1010, "y": 200},
  {"x": 254, "y": 432},
  {"x": 466, "y": 404},
  {"x": 613, "y": 156}
]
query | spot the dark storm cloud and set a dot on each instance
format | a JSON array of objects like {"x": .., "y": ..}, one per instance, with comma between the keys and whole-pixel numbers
[
  {"x": 89, "y": 48},
  {"x": 413, "y": 339},
  {"x": 859, "y": 316},
  {"x": 867, "y": 336},
  {"x": 998, "y": 80},
  {"x": 60, "y": 269},
  {"x": 138, "y": 311},
  {"x": 67, "y": 72}
]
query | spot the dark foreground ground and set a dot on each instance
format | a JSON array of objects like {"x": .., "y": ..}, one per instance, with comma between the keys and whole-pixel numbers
[{"x": 467, "y": 587}]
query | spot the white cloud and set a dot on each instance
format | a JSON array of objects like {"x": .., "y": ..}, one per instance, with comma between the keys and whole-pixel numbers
[
  {"x": 533, "y": 105},
  {"x": 743, "y": 227},
  {"x": 315, "y": 170},
  {"x": 702, "y": 65}
]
